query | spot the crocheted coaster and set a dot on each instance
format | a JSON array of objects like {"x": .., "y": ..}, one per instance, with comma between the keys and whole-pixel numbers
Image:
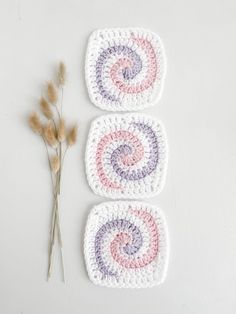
[
  {"x": 126, "y": 156},
  {"x": 126, "y": 245},
  {"x": 125, "y": 68}
]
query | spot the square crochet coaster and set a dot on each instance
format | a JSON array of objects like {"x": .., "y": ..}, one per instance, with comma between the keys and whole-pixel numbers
[
  {"x": 126, "y": 156},
  {"x": 125, "y": 68},
  {"x": 126, "y": 245}
]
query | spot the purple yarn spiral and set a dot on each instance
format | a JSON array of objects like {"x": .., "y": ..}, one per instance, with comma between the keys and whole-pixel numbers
[
  {"x": 125, "y": 150},
  {"x": 129, "y": 249},
  {"x": 128, "y": 74}
]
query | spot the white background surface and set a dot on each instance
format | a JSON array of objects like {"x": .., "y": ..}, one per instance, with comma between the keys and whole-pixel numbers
[{"x": 198, "y": 108}]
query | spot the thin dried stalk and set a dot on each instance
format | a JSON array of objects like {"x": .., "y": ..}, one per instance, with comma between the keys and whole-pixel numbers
[
  {"x": 45, "y": 108},
  {"x": 61, "y": 130},
  {"x": 50, "y": 135},
  {"x": 61, "y": 75},
  {"x": 52, "y": 241},
  {"x": 49, "y": 163},
  {"x": 55, "y": 226},
  {"x": 52, "y": 93},
  {"x": 35, "y": 123},
  {"x": 72, "y": 136}
]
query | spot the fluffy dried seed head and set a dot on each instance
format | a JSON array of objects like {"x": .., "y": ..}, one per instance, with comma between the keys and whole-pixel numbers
[
  {"x": 45, "y": 108},
  {"x": 61, "y": 75},
  {"x": 52, "y": 93},
  {"x": 50, "y": 135},
  {"x": 61, "y": 130},
  {"x": 55, "y": 163},
  {"x": 35, "y": 123},
  {"x": 72, "y": 136}
]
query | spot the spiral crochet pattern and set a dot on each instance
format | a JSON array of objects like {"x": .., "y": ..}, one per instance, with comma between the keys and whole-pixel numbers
[
  {"x": 126, "y": 156},
  {"x": 126, "y": 245},
  {"x": 125, "y": 68}
]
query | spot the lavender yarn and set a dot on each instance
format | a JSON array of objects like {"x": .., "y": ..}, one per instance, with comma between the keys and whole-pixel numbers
[
  {"x": 129, "y": 249},
  {"x": 128, "y": 74},
  {"x": 133, "y": 175}
]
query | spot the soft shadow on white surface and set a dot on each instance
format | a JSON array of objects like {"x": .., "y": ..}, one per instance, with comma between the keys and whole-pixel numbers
[{"x": 198, "y": 110}]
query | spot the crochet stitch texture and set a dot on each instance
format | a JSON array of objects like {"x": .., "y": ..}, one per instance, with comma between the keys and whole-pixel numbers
[
  {"x": 126, "y": 156},
  {"x": 125, "y": 68},
  {"x": 126, "y": 245}
]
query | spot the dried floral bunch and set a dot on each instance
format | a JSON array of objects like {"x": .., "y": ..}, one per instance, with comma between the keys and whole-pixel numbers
[{"x": 57, "y": 138}]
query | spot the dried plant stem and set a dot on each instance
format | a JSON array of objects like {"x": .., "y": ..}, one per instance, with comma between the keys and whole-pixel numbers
[
  {"x": 60, "y": 145},
  {"x": 58, "y": 113},
  {"x": 55, "y": 226},
  {"x": 62, "y": 95},
  {"x": 60, "y": 156},
  {"x": 55, "y": 126},
  {"x": 52, "y": 232},
  {"x": 46, "y": 146},
  {"x": 59, "y": 184},
  {"x": 63, "y": 157},
  {"x": 60, "y": 242},
  {"x": 52, "y": 240},
  {"x": 53, "y": 213}
]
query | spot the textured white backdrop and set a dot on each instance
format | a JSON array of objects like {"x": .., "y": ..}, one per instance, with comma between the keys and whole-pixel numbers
[{"x": 198, "y": 108}]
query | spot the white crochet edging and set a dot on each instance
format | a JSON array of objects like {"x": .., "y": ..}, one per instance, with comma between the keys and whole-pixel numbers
[
  {"x": 146, "y": 187},
  {"x": 145, "y": 276},
  {"x": 102, "y": 39}
]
